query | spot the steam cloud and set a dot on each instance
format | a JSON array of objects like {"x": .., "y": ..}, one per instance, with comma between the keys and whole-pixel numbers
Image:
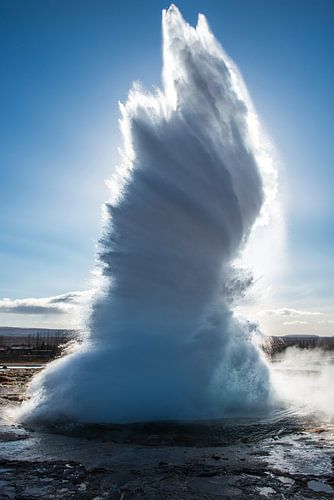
[
  {"x": 303, "y": 378},
  {"x": 162, "y": 341}
]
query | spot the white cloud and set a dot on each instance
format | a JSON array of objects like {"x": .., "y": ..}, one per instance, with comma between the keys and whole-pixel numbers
[
  {"x": 296, "y": 322},
  {"x": 288, "y": 312},
  {"x": 58, "y": 304}
]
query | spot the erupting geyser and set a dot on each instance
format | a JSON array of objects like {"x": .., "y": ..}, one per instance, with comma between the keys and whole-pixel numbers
[{"x": 162, "y": 341}]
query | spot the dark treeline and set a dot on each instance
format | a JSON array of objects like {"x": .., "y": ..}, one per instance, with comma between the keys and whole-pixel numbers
[
  {"x": 39, "y": 344},
  {"x": 44, "y": 344}
]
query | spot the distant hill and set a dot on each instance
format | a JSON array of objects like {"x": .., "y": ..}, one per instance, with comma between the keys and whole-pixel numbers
[
  {"x": 13, "y": 331},
  {"x": 303, "y": 341}
]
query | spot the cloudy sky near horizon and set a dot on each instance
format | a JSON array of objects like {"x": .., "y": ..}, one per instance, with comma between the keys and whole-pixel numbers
[{"x": 66, "y": 64}]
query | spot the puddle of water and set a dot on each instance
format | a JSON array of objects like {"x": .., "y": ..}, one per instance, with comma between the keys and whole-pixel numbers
[
  {"x": 302, "y": 459},
  {"x": 319, "y": 486},
  {"x": 3, "y": 470}
]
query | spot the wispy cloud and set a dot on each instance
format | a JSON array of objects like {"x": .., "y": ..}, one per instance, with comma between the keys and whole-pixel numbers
[
  {"x": 295, "y": 322},
  {"x": 289, "y": 312},
  {"x": 58, "y": 304}
]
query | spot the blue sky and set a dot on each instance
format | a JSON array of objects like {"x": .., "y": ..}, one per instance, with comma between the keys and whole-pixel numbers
[{"x": 64, "y": 67}]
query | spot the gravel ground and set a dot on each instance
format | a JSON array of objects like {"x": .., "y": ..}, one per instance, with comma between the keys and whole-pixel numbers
[{"x": 162, "y": 461}]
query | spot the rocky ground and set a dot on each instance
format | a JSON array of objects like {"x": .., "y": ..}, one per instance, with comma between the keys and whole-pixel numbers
[{"x": 157, "y": 461}]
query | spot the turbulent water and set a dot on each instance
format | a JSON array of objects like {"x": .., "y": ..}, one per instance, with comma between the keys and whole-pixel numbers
[{"x": 162, "y": 340}]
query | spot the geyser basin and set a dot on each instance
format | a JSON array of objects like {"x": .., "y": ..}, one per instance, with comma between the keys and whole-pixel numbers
[{"x": 162, "y": 341}]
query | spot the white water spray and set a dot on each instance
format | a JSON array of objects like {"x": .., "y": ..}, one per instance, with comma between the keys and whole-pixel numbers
[{"x": 162, "y": 340}]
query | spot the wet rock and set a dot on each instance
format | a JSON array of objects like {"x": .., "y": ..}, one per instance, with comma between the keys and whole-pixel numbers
[
  {"x": 8, "y": 493},
  {"x": 260, "y": 453},
  {"x": 266, "y": 491},
  {"x": 286, "y": 480},
  {"x": 82, "y": 488},
  {"x": 13, "y": 436},
  {"x": 318, "y": 430}
]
